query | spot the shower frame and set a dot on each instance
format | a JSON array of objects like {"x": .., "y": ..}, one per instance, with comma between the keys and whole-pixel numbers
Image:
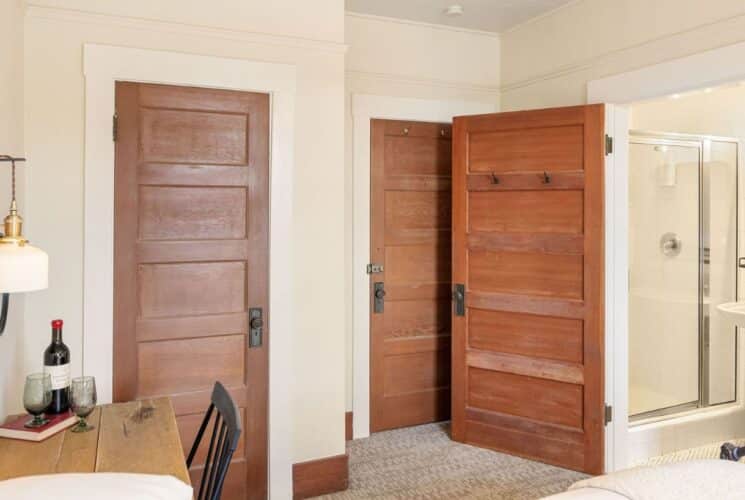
[{"x": 703, "y": 144}]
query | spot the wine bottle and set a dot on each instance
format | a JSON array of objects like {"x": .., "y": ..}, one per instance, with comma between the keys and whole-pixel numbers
[{"x": 57, "y": 365}]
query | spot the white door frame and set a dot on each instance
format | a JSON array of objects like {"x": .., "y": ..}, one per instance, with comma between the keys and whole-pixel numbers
[
  {"x": 364, "y": 109},
  {"x": 103, "y": 66},
  {"x": 706, "y": 69}
]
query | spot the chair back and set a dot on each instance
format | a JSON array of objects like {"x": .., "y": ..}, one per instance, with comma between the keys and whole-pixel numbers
[{"x": 226, "y": 431}]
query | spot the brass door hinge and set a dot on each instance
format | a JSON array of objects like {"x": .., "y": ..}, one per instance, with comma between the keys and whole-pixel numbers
[
  {"x": 114, "y": 127},
  {"x": 608, "y": 414}
]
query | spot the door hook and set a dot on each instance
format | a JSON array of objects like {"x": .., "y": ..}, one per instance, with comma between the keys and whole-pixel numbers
[
  {"x": 546, "y": 178},
  {"x": 494, "y": 179}
]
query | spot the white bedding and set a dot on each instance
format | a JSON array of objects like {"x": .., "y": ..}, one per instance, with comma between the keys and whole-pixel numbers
[
  {"x": 95, "y": 486},
  {"x": 587, "y": 493},
  {"x": 691, "y": 480}
]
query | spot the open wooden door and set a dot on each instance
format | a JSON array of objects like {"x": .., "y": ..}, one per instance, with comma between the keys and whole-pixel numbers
[
  {"x": 410, "y": 240},
  {"x": 527, "y": 337}
]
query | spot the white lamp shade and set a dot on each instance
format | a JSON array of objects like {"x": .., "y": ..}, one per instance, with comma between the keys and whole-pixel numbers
[{"x": 23, "y": 268}]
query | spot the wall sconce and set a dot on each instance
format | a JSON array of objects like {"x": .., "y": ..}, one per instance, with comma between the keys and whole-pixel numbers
[{"x": 23, "y": 268}]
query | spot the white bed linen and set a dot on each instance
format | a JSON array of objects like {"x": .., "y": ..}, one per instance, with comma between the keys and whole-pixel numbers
[
  {"x": 587, "y": 494},
  {"x": 689, "y": 480},
  {"x": 95, "y": 486}
]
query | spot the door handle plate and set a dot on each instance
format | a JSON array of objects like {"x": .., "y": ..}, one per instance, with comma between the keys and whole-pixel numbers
[
  {"x": 255, "y": 327},
  {"x": 459, "y": 299},
  {"x": 378, "y": 297}
]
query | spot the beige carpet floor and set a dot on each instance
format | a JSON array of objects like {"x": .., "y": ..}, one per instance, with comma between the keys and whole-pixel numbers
[{"x": 423, "y": 463}]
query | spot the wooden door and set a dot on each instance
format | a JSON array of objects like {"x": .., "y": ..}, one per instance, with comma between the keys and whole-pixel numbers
[
  {"x": 528, "y": 248},
  {"x": 190, "y": 259},
  {"x": 410, "y": 238}
]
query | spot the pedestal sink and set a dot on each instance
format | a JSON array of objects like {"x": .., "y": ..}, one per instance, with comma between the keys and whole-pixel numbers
[{"x": 733, "y": 312}]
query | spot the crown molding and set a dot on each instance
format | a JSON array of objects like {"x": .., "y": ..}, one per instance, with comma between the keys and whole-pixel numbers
[
  {"x": 78, "y": 16},
  {"x": 540, "y": 16},
  {"x": 420, "y": 24},
  {"x": 423, "y": 82},
  {"x": 604, "y": 57}
]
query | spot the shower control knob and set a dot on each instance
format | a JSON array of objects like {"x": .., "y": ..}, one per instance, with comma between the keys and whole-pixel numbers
[{"x": 670, "y": 244}]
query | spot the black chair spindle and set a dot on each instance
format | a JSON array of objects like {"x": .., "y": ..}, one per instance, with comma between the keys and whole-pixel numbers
[{"x": 224, "y": 440}]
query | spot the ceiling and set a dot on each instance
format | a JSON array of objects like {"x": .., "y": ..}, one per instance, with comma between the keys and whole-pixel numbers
[{"x": 486, "y": 15}]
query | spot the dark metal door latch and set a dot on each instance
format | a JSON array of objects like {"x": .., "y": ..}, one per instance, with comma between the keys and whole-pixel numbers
[
  {"x": 459, "y": 299},
  {"x": 255, "y": 326},
  {"x": 378, "y": 296}
]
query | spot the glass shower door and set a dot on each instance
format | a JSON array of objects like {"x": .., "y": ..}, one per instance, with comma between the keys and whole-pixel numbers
[
  {"x": 719, "y": 214},
  {"x": 664, "y": 279}
]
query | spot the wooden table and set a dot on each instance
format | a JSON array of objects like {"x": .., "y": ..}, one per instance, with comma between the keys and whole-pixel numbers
[{"x": 139, "y": 437}]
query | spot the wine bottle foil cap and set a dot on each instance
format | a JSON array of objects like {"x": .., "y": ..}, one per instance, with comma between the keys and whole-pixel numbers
[{"x": 57, "y": 323}]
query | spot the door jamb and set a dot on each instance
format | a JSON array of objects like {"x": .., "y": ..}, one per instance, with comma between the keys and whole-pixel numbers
[
  {"x": 364, "y": 108},
  {"x": 103, "y": 65}
]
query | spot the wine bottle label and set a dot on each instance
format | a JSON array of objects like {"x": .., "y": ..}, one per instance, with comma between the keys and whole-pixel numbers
[{"x": 60, "y": 375}]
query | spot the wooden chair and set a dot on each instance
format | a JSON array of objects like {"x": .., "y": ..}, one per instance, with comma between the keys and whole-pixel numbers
[{"x": 225, "y": 433}]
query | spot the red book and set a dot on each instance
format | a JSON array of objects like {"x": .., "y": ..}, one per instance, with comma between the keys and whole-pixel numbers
[{"x": 14, "y": 428}]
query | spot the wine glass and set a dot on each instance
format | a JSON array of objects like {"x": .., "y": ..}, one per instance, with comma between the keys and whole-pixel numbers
[
  {"x": 83, "y": 401},
  {"x": 37, "y": 395}
]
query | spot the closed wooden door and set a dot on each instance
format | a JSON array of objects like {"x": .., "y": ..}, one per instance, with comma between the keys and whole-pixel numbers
[
  {"x": 528, "y": 250},
  {"x": 191, "y": 258},
  {"x": 410, "y": 226}
]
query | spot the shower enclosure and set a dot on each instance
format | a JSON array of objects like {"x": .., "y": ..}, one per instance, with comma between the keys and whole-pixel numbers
[{"x": 682, "y": 263}]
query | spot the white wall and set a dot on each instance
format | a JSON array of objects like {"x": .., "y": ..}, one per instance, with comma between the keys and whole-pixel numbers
[
  {"x": 304, "y": 21},
  {"x": 549, "y": 60},
  {"x": 719, "y": 111},
  {"x": 11, "y": 143},
  {"x": 306, "y": 34},
  {"x": 395, "y": 58}
]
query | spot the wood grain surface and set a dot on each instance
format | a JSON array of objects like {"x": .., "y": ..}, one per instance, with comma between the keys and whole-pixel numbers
[
  {"x": 410, "y": 237},
  {"x": 527, "y": 214},
  {"x": 137, "y": 437}
]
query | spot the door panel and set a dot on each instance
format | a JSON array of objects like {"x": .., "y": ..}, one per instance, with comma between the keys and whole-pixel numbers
[
  {"x": 160, "y": 364},
  {"x": 191, "y": 213},
  {"x": 528, "y": 273},
  {"x": 412, "y": 265},
  {"x": 526, "y": 211},
  {"x": 529, "y": 335},
  {"x": 528, "y": 149},
  {"x": 191, "y": 256},
  {"x": 412, "y": 318},
  {"x": 410, "y": 338},
  {"x": 171, "y": 289},
  {"x": 559, "y": 402},
  {"x": 417, "y": 153},
  {"x": 193, "y": 137},
  {"x": 527, "y": 353}
]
